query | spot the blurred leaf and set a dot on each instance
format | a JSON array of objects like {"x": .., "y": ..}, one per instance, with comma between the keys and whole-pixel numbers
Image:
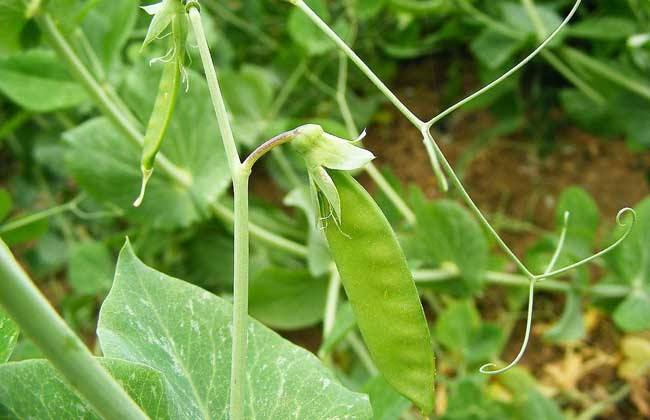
[
  {"x": 494, "y": 49},
  {"x": 6, "y": 204},
  {"x": 602, "y": 28},
  {"x": 249, "y": 94},
  {"x": 571, "y": 326},
  {"x": 386, "y": 403},
  {"x": 631, "y": 262},
  {"x": 38, "y": 81},
  {"x": 583, "y": 220},
  {"x": 459, "y": 328},
  {"x": 55, "y": 399},
  {"x": 8, "y": 336},
  {"x": 515, "y": 14},
  {"x": 106, "y": 164},
  {"x": 23, "y": 233},
  {"x": 108, "y": 27},
  {"x": 445, "y": 232},
  {"x": 468, "y": 401},
  {"x": 367, "y": 9},
  {"x": 305, "y": 33},
  {"x": 12, "y": 21},
  {"x": 287, "y": 299},
  {"x": 185, "y": 332},
  {"x": 90, "y": 269}
]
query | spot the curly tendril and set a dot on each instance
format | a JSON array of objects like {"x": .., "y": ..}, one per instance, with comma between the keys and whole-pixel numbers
[{"x": 486, "y": 369}]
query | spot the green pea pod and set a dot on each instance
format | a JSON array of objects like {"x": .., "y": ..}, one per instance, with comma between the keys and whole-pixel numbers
[
  {"x": 382, "y": 293},
  {"x": 163, "y": 108}
]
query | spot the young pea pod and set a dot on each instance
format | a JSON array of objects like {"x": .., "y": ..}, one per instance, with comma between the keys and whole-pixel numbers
[
  {"x": 382, "y": 293},
  {"x": 165, "y": 13}
]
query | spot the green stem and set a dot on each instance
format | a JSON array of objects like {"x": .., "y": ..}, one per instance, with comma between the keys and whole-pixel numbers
[
  {"x": 240, "y": 299},
  {"x": 101, "y": 98},
  {"x": 331, "y": 303},
  {"x": 35, "y": 217},
  {"x": 572, "y": 77},
  {"x": 240, "y": 175},
  {"x": 40, "y": 322},
  {"x": 353, "y": 131},
  {"x": 607, "y": 72},
  {"x": 13, "y": 123}
]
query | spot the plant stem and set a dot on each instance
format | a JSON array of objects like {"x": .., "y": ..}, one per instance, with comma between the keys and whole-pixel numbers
[
  {"x": 240, "y": 174},
  {"x": 35, "y": 217},
  {"x": 333, "y": 290},
  {"x": 101, "y": 98},
  {"x": 263, "y": 235},
  {"x": 240, "y": 299},
  {"x": 605, "y": 71},
  {"x": 40, "y": 322},
  {"x": 13, "y": 123}
]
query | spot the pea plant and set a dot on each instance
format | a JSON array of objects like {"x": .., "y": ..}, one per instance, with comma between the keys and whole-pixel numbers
[{"x": 172, "y": 349}]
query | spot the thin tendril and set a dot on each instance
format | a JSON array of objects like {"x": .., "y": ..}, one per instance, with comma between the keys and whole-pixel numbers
[
  {"x": 620, "y": 222},
  {"x": 531, "y": 298},
  {"x": 510, "y": 72}
]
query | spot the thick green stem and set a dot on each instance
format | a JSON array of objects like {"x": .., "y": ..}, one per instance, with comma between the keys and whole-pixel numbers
[
  {"x": 240, "y": 299},
  {"x": 40, "y": 322},
  {"x": 240, "y": 174},
  {"x": 101, "y": 98}
]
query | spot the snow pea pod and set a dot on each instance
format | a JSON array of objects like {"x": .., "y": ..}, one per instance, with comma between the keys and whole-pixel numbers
[{"x": 382, "y": 293}]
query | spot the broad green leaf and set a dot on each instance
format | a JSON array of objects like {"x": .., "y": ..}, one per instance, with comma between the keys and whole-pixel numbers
[
  {"x": 468, "y": 399},
  {"x": 630, "y": 262},
  {"x": 446, "y": 233},
  {"x": 38, "y": 81},
  {"x": 6, "y": 204},
  {"x": 386, "y": 403},
  {"x": 287, "y": 299},
  {"x": 107, "y": 165},
  {"x": 33, "y": 389},
  {"x": 90, "y": 269},
  {"x": 305, "y": 33},
  {"x": 8, "y": 336},
  {"x": 185, "y": 332},
  {"x": 12, "y": 22},
  {"x": 603, "y": 28},
  {"x": 108, "y": 27},
  {"x": 571, "y": 325},
  {"x": 493, "y": 49}
]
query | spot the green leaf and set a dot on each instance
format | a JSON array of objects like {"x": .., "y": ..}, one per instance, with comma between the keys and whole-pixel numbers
[
  {"x": 446, "y": 233},
  {"x": 25, "y": 233},
  {"x": 106, "y": 164},
  {"x": 603, "y": 28},
  {"x": 494, "y": 49},
  {"x": 33, "y": 389},
  {"x": 287, "y": 299},
  {"x": 630, "y": 263},
  {"x": 108, "y": 27},
  {"x": 460, "y": 329},
  {"x": 386, "y": 403},
  {"x": 305, "y": 33},
  {"x": 38, "y": 81},
  {"x": 571, "y": 326},
  {"x": 583, "y": 220},
  {"x": 8, "y": 336},
  {"x": 6, "y": 204},
  {"x": 249, "y": 94},
  {"x": 185, "y": 332},
  {"x": 515, "y": 14},
  {"x": 90, "y": 269},
  {"x": 12, "y": 22}
]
